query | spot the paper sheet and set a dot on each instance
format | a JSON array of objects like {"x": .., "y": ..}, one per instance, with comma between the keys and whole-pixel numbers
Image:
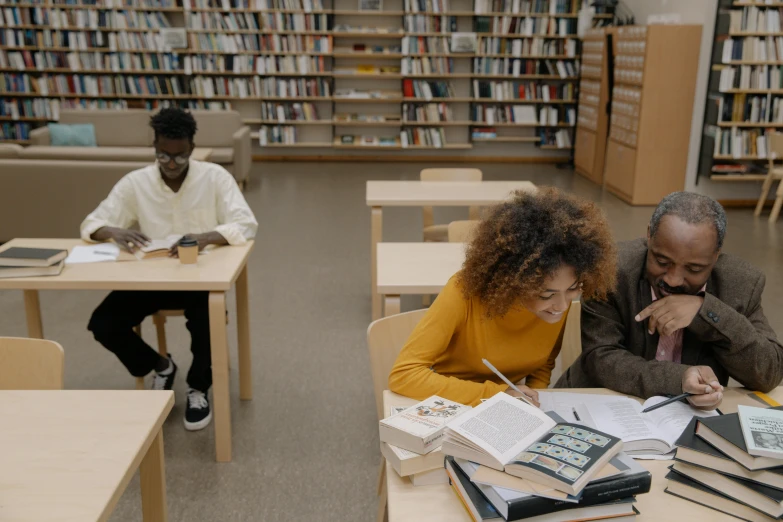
[{"x": 99, "y": 253}]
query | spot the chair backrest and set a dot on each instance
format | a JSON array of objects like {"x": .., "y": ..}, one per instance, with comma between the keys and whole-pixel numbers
[
  {"x": 462, "y": 231},
  {"x": 30, "y": 364},
  {"x": 385, "y": 339},
  {"x": 775, "y": 140},
  {"x": 456, "y": 174},
  {"x": 572, "y": 336},
  {"x": 135, "y": 125}
]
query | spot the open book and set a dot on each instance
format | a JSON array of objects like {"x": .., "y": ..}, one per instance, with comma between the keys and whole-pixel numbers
[
  {"x": 157, "y": 248},
  {"x": 508, "y": 435},
  {"x": 651, "y": 433}
]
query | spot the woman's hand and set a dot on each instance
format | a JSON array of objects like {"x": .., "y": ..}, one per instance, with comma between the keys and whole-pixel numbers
[{"x": 529, "y": 393}]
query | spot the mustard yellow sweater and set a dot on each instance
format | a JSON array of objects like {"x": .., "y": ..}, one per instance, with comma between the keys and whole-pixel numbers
[{"x": 443, "y": 354}]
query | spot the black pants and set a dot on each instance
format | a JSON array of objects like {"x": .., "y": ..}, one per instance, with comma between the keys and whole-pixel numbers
[{"x": 113, "y": 321}]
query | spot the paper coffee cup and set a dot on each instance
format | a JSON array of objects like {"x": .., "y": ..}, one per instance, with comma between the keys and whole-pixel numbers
[{"x": 187, "y": 250}]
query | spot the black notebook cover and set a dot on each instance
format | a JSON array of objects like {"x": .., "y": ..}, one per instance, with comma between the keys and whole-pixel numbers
[
  {"x": 602, "y": 492},
  {"x": 485, "y": 509},
  {"x": 30, "y": 253},
  {"x": 728, "y": 427}
]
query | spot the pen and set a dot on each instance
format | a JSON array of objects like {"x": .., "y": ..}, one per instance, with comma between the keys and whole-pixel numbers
[
  {"x": 576, "y": 415},
  {"x": 511, "y": 384},
  {"x": 667, "y": 401}
]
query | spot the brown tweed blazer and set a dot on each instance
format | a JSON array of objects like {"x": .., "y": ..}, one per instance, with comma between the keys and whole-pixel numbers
[{"x": 730, "y": 333}]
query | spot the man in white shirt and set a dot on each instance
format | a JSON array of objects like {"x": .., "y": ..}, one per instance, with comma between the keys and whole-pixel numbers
[{"x": 175, "y": 196}]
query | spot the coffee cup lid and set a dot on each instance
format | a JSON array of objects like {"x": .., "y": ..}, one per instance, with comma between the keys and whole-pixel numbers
[{"x": 187, "y": 242}]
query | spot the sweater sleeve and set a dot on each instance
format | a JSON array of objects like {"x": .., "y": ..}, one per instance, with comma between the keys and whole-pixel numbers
[{"x": 412, "y": 374}]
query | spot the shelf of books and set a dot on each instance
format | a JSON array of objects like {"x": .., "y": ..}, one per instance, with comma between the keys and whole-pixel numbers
[
  {"x": 592, "y": 120},
  {"x": 750, "y": 86},
  {"x": 405, "y": 74}
]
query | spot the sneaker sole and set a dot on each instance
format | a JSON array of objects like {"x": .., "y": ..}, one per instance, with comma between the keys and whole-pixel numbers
[{"x": 200, "y": 425}]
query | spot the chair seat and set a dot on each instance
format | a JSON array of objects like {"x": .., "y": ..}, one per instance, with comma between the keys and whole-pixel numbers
[
  {"x": 222, "y": 155},
  {"x": 436, "y": 233}
]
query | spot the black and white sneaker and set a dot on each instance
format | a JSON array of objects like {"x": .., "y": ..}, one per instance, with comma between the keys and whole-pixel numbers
[
  {"x": 198, "y": 414},
  {"x": 165, "y": 380}
]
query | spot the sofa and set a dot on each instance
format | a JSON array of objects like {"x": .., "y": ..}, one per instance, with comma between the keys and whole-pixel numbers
[
  {"x": 51, "y": 197},
  {"x": 126, "y": 136}
]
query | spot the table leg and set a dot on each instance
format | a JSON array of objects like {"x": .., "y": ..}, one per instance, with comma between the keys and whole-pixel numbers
[
  {"x": 152, "y": 473},
  {"x": 220, "y": 400},
  {"x": 391, "y": 305},
  {"x": 376, "y": 234},
  {"x": 243, "y": 331},
  {"x": 32, "y": 309}
]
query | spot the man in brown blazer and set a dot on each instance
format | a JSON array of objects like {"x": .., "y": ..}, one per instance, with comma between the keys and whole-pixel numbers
[{"x": 684, "y": 317}]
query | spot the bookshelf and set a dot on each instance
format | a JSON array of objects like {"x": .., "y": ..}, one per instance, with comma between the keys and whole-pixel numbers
[
  {"x": 290, "y": 67},
  {"x": 747, "y": 78},
  {"x": 655, "y": 71},
  {"x": 592, "y": 121}
]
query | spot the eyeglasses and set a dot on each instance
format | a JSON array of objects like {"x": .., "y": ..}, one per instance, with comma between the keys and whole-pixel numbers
[{"x": 179, "y": 160}]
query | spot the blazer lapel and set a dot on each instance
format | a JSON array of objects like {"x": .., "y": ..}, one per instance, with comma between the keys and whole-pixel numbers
[{"x": 650, "y": 340}]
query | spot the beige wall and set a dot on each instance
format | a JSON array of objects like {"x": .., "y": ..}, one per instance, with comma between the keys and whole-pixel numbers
[{"x": 696, "y": 12}]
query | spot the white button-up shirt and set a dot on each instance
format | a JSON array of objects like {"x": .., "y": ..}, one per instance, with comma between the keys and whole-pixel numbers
[{"x": 208, "y": 200}]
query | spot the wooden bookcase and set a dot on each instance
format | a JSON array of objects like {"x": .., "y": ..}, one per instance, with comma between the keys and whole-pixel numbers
[
  {"x": 652, "y": 105},
  {"x": 593, "y": 121},
  {"x": 748, "y": 84},
  {"x": 327, "y": 46}
]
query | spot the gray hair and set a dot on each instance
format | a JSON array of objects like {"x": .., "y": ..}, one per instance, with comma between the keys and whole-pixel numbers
[{"x": 691, "y": 208}]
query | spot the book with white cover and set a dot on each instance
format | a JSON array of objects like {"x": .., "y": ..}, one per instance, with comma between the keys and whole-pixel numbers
[
  {"x": 508, "y": 435},
  {"x": 420, "y": 428},
  {"x": 762, "y": 429},
  {"x": 406, "y": 462}
]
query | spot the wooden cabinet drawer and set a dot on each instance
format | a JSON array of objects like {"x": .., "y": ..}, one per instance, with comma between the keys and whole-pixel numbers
[
  {"x": 620, "y": 167},
  {"x": 584, "y": 153}
]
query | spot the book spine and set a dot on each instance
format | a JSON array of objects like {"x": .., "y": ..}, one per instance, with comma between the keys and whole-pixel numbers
[{"x": 593, "y": 494}]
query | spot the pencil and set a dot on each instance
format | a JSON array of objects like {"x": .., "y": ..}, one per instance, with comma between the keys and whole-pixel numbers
[{"x": 511, "y": 384}]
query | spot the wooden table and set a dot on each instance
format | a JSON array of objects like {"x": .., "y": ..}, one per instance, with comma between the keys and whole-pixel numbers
[
  {"x": 68, "y": 455},
  {"x": 428, "y": 194},
  {"x": 201, "y": 154},
  {"x": 215, "y": 273},
  {"x": 415, "y": 268},
  {"x": 438, "y": 503}
]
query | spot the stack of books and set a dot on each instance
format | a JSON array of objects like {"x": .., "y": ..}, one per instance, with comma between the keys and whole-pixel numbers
[
  {"x": 411, "y": 439},
  {"x": 31, "y": 262},
  {"x": 507, "y": 460},
  {"x": 733, "y": 464}
]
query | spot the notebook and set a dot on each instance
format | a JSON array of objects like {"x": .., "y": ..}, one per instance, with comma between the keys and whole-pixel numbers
[{"x": 23, "y": 256}]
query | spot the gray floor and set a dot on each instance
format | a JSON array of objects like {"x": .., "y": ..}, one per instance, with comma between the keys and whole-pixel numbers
[{"x": 306, "y": 447}]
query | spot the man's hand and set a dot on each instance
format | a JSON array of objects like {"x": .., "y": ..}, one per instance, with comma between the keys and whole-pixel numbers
[
  {"x": 529, "y": 393},
  {"x": 703, "y": 384},
  {"x": 126, "y": 239},
  {"x": 207, "y": 238},
  {"x": 671, "y": 313}
]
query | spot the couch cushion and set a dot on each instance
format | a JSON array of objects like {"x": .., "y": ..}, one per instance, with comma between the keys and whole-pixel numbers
[
  {"x": 216, "y": 128},
  {"x": 142, "y": 154},
  {"x": 114, "y": 128},
  {"x": 222, "y": 155},
  {"x": 10, "y": 150},
  {"x": 72, "y": 134}
]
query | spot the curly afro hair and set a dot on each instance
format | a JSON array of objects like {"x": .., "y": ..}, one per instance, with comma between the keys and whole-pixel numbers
[
  {"x": 527, "y": 239},
  {"x": 174, "y": 124}
]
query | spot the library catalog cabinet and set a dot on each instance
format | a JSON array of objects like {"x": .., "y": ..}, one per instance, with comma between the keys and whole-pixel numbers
[{"x": 655, "y": 71}]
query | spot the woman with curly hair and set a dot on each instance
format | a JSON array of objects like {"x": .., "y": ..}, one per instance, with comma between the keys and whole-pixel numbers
[{"x": 527, "y": 261}]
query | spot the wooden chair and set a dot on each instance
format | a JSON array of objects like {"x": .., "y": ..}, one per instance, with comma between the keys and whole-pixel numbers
[
  {"x": 439, "y": 233},
  {"x": 385, "y": 339},
  {"x": 159, "y": 320},
  {"x": 775, "y": 144},
  {"x": 31, "y": 364},
  {"x": 572, "y": 336},
  {"x": 462, "y": 231}
]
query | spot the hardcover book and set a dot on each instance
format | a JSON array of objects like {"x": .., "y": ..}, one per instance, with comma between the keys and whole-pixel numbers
[
  {"x": 420, "y": 428},
  {"x": 508, "y": 435},
  {"x": 725, "y": 433}
]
